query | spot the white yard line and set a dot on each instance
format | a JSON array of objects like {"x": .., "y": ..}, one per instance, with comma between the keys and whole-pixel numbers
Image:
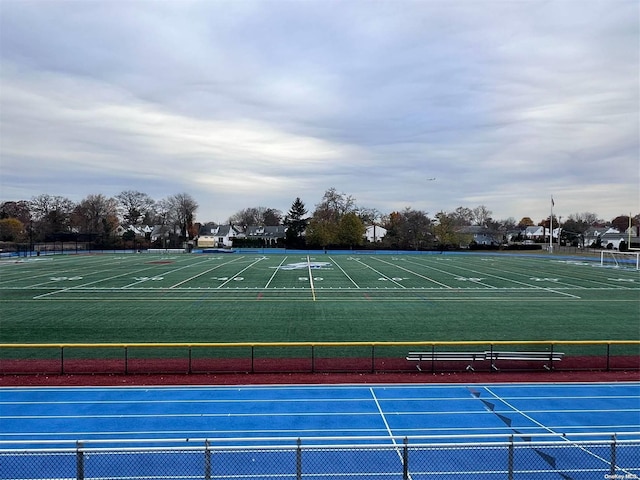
[
  {"x": 205, "y": 272},
  {"x": 529, "y": 285},
  {"x": 345, "y": 273},
  {"x": 313, "y": 292},
  {"x": 380, "y": 273},
  {"x": 231, "y": 277},
  {"x": 416, "y": 273},
  {"x": 275, "y": 271}
]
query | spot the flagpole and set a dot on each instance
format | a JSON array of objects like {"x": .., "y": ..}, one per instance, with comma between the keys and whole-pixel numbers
[{"x": 551, "y": 228}]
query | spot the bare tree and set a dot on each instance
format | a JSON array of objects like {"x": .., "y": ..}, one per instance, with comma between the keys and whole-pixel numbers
[
  {"x": 19, "y": 210},
  {"x": 51, "y": 214},
  {"x": 134, "y": 206},
  {"x": 481, "y": 216},
  {"x": 96, "y": 214},
  {"x": 182, "y": 212},
  {"x": 256, "y": 216},
  {"x": 334, "y": 205}
]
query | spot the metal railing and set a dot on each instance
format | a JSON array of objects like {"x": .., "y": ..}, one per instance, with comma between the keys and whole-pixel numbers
[
  {"x": 305, "y": 357},
  {"x": 611, "y": 456}
]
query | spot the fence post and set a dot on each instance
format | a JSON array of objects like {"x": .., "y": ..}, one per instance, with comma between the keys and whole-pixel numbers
[
  {"x": 510, "y": 459},
  {"x": 299, "y": 459},
  {"x": 207, "y": 461},
  {"x": 79, "y": 461},
  {"x": 373, "y": 359},
  {"x": 433, "y": 358},
  {"x": 61, "y": 360},
  {"x": 126, "y": 361},
  {"x": 405, "y": 459},
  {"x": 190, "y": 371},
  {"x": 608, "y": 356},
  {"x": 612, "y": 471},
  {"x": 491, "y": 367},
  {"x": 313, "y": 360}
]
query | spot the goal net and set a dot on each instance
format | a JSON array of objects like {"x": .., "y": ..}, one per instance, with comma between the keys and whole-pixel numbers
[{"x": 614, "y": 258}]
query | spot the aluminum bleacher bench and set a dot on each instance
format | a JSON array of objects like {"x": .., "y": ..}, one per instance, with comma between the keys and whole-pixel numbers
[
  {"x": 549, "y": 357},
  {"x": 433, "y": 357}
]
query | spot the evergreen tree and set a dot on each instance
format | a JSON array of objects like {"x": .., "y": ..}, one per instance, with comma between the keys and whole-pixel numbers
[{"x": 296, "y": 224}]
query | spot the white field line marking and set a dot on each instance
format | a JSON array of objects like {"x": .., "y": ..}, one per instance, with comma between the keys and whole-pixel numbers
[
  {"x": 231, "y": 277},
  {"x": 345, "y": 273},
  {"x": 168, "y": 272},
  {"x": 386, "y": 424},
  {"x": 313, "y": 291},
  {"x": 432, "y": 268},
  {"x": 415, "y": 273},
  {"x": 104, "y": 280},
  {"x": 535, "y": 287},
  {"x": 544, "y": 427},
  {"x": 90, "y": 283},
  {"x": 56, "y": 269},
  {"x": 275, "y": 272},
  {"x": 380, "y": 273},
  {"x": 527, "y": 273},
  {"x": 515, "y": 281},
  {"x": 57, "y": 272},
  {"x": 205, "y": 272}
]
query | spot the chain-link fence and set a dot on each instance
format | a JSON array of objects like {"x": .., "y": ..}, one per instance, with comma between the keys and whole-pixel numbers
[{"x": 591, "y": 456}]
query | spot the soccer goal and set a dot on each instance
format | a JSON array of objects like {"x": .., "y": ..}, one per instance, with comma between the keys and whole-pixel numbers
[{"x": 614, "y": 258}]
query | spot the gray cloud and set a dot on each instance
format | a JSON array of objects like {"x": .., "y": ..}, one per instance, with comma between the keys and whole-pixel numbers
[{"x": 256, "y": 103}]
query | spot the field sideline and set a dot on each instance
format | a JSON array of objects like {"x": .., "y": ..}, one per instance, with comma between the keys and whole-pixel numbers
[{"x": 299, "y": 297}]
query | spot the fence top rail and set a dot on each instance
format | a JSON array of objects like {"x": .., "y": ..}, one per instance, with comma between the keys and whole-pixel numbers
[
  {"x": 328, "y": 441},
  {"x": 309, "y": 446},
  {"x": 319, "y": 344}
]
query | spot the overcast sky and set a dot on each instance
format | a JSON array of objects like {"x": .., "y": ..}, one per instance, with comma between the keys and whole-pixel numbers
[{"x": 254, "y": 103}]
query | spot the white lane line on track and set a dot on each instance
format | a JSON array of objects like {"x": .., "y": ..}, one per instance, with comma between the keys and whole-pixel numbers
[
  {"x": 545, "y": 427},
  {"x": 386, "y": 424}
]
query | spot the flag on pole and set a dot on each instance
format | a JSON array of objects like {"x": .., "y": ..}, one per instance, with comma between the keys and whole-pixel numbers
[{"x": 553, "y": 204}]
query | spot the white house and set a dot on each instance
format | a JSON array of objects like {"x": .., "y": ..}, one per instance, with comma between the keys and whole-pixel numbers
[
  {"x": 139, "y": 231},
  {"x": 218, "y": 236},
  {"x": 609, "y": 237},
  {"x": 375, "y": 233}
]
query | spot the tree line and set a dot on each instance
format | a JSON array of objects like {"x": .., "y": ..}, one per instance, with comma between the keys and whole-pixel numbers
[{"x": 336, "y": 221}]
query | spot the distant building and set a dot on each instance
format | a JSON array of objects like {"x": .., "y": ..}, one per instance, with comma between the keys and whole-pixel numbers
[
  {"x": 270, "y": 236},
  {"x": 375, "y": 233},
  {"x": 217, "y": 236}
]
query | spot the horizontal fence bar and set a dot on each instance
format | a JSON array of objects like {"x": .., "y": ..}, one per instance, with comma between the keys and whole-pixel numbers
[
  {"x": 361, "y": 440},
  {"x": 319, "y": 344}
]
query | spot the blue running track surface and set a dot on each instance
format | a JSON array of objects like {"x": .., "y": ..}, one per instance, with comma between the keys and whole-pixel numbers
[{"x": 42, "y": 417}]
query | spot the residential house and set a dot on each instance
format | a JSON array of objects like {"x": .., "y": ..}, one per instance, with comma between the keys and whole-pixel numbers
[
  {"x": 608, "y": 237},
  {"x": 375, "y": 233},
  {"x": 164, "y": 234},
  {"x": 479, "y": 235},
  {"x": 217, "y": 236},
  {"x": 269, "y": 236},
  {"x": 138, "y": 230}
]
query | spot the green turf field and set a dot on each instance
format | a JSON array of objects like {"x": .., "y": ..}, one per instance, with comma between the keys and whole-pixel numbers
[{"x": 295, "y": 297}]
